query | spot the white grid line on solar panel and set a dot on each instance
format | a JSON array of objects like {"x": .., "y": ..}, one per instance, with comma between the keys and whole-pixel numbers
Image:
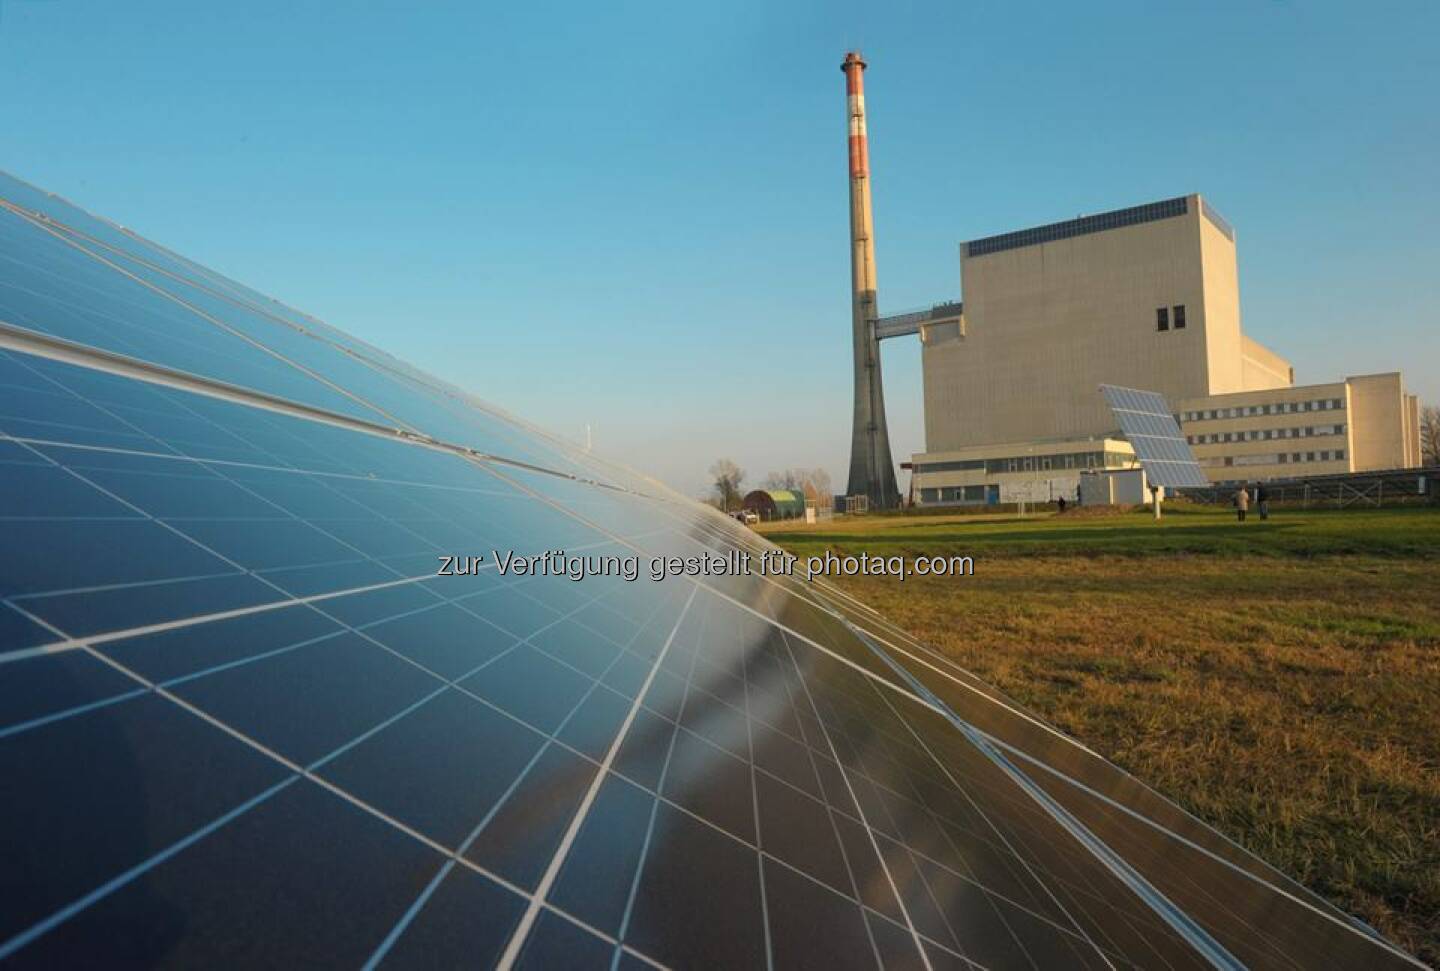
[
  {"x": 865, "y": 822},
  {"x": 338, "y": 386},
  {"x": 1005, "y": 848},
  {"x": 830, "y": 811},
  {"x": 522, "y": 931},
  {"x": 344, "y": 343},
  {"x": 20, "y": 940},
  {"x": 759, "y": 830},
  {"x": 1180, "y": 921},
  {"x": 659, "y": 789},
  {"x": 397, "y": 932}
]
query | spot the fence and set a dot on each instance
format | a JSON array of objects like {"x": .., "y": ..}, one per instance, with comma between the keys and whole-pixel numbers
[{"x": 1395, "y": 487}]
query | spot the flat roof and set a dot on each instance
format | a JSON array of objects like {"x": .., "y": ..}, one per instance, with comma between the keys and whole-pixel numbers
[{"x": 1084, "y": 225}]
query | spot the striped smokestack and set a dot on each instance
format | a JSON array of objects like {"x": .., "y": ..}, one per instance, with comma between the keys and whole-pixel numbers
[{"x": 872, "y": 473}]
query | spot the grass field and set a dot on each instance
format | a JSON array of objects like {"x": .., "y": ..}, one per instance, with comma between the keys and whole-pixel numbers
[{"x": 1281, "y": 680}]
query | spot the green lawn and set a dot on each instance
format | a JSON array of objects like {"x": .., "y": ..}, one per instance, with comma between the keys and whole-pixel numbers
[{"x": 1281, "y": 680}]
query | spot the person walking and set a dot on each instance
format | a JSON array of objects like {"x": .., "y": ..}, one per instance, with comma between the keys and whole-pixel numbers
[
  {"x": 1242, "y": 502},
  {"x": 1262, "y": 500}
]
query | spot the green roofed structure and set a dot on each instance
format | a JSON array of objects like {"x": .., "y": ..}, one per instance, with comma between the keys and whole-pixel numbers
[{"x": 776, "y": 503}]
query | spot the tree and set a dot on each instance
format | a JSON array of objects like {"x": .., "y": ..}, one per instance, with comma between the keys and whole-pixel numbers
[
  {"x": 727, "y": 477},
  {"x": 1430, "y": 435},
  {"x": 819, "y": 479},
  {"x": 789, "y": 479},
  {"x": 798, "y": 480}
]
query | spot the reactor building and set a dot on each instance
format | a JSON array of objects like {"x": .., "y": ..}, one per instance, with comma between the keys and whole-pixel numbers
[{"x": 1144, "y": 297}]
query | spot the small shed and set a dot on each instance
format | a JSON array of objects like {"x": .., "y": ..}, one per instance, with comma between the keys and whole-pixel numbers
[{"x": 776, "y": 503}]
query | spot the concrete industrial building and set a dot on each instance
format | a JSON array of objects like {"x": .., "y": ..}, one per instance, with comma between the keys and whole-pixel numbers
[{"x": 1146, "y": 297}]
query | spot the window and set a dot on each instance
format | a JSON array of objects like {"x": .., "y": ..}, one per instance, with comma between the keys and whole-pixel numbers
[
  {"x": 1284, "y": 458},
  {"x": 1229, "y": 460},
  {"x": 1340, "y": 454},
  {"x": 1309, "y": 456},
  {"x": 1325, "y": 456},
  {"x": 1339, "y": 430},
  {"x": 1162, "y": 318},
  {"x": 1179, "y": 316}
]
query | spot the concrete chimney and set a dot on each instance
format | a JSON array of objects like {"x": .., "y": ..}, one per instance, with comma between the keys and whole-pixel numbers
[{"x": 872, "y": 473}]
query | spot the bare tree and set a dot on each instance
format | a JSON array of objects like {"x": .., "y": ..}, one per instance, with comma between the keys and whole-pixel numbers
[
  {"x": 1430, "y": 435},
  {"x": 789, "y": 479},
  {"x": 727, "y": 477},
  {"x": 800, "y": 479},
  {"x": 819, "y": 479}
]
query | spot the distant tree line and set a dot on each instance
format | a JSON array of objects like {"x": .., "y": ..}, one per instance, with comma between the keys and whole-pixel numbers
[
  {"x": 727, "y": 478},
  {"x": 798, "y": 479}
]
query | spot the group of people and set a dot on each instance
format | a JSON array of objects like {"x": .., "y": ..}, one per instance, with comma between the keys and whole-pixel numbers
[{"x": 1241, "y": 499}]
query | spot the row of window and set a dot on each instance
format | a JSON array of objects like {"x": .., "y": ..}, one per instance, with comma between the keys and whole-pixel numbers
[
  {"x": 970, "y": 493},
  {"x": 1031, "y": 463},
  {"x": 1166, "y": 317},
  {"x": 1282, "y": 458},
  {"x": 1265, "y": 434},
  {"x": 1278, "y": 408}
]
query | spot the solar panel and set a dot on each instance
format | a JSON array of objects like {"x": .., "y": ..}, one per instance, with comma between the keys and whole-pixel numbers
[
  {"x": 244, "y": 719},
  {"x": 1151, "y": 429}
]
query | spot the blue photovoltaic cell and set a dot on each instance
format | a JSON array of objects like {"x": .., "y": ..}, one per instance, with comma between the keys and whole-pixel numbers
[
  {"x": 244, "y": 720},
  {"x": 1150, "y": 427}
]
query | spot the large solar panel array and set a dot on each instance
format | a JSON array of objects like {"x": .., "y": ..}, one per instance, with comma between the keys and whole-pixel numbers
[
  {"x": 1151, "y": 429},
  {"x": 243, "y": 721}
]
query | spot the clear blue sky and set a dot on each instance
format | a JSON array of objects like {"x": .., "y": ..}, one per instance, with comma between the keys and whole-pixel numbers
[{"x": 634, "y": 215}]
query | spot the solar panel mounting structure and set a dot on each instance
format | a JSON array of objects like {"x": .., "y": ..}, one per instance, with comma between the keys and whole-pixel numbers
[
  {"x": 1150, "y": 426},
  {"x": 245, "y": 719}
]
